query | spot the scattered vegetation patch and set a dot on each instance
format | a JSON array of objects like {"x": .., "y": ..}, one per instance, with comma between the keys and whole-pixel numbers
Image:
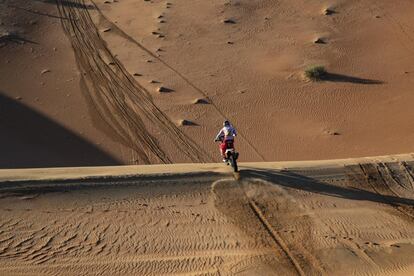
[{"x": 315, "y": 72}]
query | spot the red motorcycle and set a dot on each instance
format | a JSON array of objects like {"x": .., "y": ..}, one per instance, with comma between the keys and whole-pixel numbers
[{"x": 231, "y": 154}]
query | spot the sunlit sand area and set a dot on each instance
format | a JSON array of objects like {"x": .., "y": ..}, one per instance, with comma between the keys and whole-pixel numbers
[
  {"x": 344, "y": 217},
  {"x": 109, "y": 109}
]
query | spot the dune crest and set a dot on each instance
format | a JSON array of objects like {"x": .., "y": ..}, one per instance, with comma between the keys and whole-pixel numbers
[{"x": 297, "y": 218}]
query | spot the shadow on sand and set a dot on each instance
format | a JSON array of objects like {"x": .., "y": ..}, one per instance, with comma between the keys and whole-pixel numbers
[
  {"x": 69, "y": 3},
  {"x": 344, "y": 78},
  {"x": 15, "y": 38},
  {"x": 303, "y": 183},
  {"x": 29, "y": 139},
  {"x": 36, "y": 12}
]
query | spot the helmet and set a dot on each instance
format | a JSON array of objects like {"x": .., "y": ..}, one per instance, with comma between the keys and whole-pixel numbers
[{"x": 226, "y": 123}]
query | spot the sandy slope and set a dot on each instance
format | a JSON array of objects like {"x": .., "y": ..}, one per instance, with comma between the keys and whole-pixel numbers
[
  {"x": 249, "y": 71},
  {"x": 340, "y": 217},
  {"x": 256, "y": 81},
  {"x": 44, "y": 117}
]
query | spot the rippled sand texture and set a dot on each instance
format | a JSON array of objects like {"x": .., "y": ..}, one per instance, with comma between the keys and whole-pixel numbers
[{"x": 342, "y": 220}]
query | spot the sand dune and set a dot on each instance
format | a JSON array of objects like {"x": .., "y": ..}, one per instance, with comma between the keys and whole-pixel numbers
[
  {"x": 340, "y": 217},
  {"x": 96, "y": 69},
  {"x": 101, "y": 83}
]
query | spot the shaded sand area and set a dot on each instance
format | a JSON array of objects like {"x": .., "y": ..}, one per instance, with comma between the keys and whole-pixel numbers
[
  {"x": 340, "y": 217},
  {"x": 146, "y": 82}
]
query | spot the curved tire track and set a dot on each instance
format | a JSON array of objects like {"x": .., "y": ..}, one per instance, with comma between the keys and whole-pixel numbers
[
  {"x": 120, "y": 101},
  {"x": 376, "y": 177},
  {"x": 179, "y": 74}
]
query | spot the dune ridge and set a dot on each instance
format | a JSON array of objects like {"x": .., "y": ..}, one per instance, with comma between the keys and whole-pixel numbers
[{"x": 296, "y": 218}]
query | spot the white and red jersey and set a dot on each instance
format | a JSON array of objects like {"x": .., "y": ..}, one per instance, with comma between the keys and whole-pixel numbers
[{"x": 227, "y": 133}]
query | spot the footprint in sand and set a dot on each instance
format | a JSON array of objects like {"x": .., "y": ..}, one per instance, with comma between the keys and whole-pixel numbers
[
  {"x": 185, "y": 122},
  {"x": 319, "y": 40},
  {"x": 158, "y": 34},
  {"x": 44, "y": 71},
  {"x": 229, "y": 21},
  {"x": 328, "y": 11},
  {"x": 163, "y": 89}
]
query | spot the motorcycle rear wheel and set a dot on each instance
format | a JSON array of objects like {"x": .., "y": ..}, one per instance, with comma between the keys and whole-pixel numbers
[{"x": 233, "y": 163}]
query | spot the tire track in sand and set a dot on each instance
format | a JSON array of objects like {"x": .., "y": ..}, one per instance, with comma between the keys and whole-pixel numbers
[
  {"x": 231, "y": 199},
  {"x": 178, "y": 73},
  {"x": 120, "y": 101},
  {"x": 278, "y": 240},
  {"x": 275, "y": 212},
  {"x": 375, "y": 176}
]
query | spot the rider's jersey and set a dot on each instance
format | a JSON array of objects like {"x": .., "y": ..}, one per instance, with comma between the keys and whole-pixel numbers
[{"x": 227, "y": 133}]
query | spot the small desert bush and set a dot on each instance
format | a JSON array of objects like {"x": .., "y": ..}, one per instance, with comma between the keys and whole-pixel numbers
[{"x": 315, "y": 72}]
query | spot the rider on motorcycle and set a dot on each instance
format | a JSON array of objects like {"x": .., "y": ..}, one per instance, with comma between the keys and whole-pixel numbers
[{"x": 226, "y": 136}]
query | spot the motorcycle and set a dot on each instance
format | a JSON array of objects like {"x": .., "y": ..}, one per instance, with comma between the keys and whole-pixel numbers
[{"x": 231, "y": 154}]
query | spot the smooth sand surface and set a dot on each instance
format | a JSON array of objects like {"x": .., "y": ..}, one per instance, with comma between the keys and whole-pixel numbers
[
  {"x": 338, "y": 217},
  {"x": 80, "y": 80}
]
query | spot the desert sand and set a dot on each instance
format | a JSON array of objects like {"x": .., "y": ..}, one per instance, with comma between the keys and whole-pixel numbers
[
  {"x": 87, "y": 86},
  {"x": 89, "y": 74},
  {"x": 339, "y": 217}
]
